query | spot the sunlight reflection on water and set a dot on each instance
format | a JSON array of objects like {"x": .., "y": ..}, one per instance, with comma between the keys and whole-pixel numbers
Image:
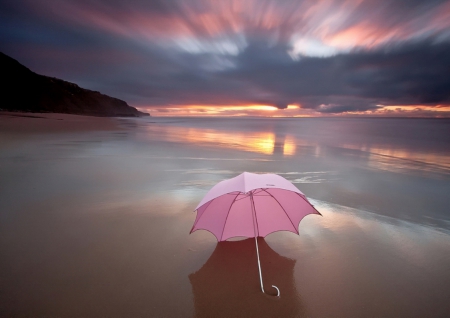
[
  {"x": 398, "y": 160},
  {"x": 414, "y": 243},
  {"x": 108, "y": 214},
  {"x": 259, "y": 142},
  {"x": 273, "y": 140}
]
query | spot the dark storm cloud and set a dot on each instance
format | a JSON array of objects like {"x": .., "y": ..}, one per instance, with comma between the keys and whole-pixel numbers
[
  {"x": 335, "y": 109},
  {"x": 415, "y": 73},
  {"x": 239, "y": 52}
]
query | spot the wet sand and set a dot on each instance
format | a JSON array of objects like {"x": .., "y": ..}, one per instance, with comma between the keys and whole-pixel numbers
[
  {"x": 32, "y": 123},
  {"x": 95, "y": 216}
]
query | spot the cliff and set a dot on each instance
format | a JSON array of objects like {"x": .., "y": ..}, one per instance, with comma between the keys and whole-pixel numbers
[{"x": 25, "y": 91}]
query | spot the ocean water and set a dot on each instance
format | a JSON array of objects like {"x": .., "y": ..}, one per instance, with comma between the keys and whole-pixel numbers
[
  {"x": 394, "y": 167},
  {"x": 96, "y": 223}
]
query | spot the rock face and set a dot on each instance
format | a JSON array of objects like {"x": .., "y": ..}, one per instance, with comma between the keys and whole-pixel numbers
[{"x": 25, "y": 91}]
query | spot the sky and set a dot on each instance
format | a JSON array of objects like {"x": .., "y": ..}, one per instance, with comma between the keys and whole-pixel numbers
[{"x": 294, "y": 58}]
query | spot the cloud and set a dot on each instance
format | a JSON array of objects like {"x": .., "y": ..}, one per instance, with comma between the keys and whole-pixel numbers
[
  {"x": 412, "y": 73},
  {"x": 335, "y": 109},
  {"x": 328, "y": 56}
]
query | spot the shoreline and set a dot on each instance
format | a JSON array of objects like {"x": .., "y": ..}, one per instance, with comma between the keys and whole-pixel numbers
[{"x": 42, "y": 123}]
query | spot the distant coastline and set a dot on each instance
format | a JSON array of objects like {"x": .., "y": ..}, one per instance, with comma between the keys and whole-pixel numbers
[{"x": 28, "y": 92}]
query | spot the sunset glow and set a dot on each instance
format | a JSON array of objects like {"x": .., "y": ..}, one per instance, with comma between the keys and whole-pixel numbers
[
  {"x": 263, "y": 142},
  {"x": 437, "y": 108},
  {"x": 294, "y": 111},
  {"x": 243, "y": 58},
  {"x": 212, "y": 110}
]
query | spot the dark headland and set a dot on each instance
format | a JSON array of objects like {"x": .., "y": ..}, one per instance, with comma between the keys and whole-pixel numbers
[{"x": 25, "y": 91}]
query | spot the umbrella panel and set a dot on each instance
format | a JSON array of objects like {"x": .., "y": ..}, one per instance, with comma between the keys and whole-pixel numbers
[
  {"x": 271, "y": 216},
  {"x": 234, "y": 214},
  {"x": 294, "y": 205},
  {"x": 240, "y": 216},
  {"x": 213, "y": 217}
]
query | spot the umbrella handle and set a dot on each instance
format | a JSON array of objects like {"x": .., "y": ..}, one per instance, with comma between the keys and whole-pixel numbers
[
  {"x": 278, "y": 291},
  {"x": 260, "y": 274},
  {"x": 257, "y": 249}
]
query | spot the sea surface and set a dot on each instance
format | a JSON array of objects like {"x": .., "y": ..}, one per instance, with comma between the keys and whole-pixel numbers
[{"x": 96, "y": 223}]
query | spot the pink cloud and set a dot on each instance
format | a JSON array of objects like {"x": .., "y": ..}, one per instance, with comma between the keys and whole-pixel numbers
[{"x": 340, "y": 24}]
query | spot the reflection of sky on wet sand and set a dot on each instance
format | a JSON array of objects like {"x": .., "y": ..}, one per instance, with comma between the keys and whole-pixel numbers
[
  {"x": 398, "y": 160},
  {"x": 352, "y": 262},
  {"x": 293, "y": 176},
  {"x": 392, "y": 167},
  {"x": 274, "y": 141},
  {"x": 371, "y": 260},
  {"x": 108, "y": 214},
  {"x": 259, "y": 142}
]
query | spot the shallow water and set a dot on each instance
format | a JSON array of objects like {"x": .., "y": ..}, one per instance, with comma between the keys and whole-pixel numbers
[{"x": 96, "y": 223}]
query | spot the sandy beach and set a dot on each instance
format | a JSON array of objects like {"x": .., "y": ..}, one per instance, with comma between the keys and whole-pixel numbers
[
  {"x": 96, "y": 213},
  {"x": 35, "y": 123}
]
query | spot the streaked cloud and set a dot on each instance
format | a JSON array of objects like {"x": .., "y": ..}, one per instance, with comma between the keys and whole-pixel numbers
[{"x": 327, "y": 56}]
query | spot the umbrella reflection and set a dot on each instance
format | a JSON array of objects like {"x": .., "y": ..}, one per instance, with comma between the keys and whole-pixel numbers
[{"x": 227, "y": 285}]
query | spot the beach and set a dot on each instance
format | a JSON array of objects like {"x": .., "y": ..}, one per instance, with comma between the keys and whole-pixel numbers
[{"x": 96, "y": 214}]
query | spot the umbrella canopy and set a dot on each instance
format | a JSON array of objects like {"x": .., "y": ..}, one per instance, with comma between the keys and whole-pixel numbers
[{"x": 252, "y": 205}]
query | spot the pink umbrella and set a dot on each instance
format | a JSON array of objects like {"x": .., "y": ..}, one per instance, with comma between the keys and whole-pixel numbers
[{"x": 252, "y": 205}]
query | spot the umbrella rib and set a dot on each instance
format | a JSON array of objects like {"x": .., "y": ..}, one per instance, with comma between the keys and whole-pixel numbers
[
  {"x": 196, "y": 221},
  {"x": 295, "y": 229},
  {"x": 225, "y": 223},
  {"x": 256, "y": 218},
  {"x": 304, "y": 198},
  {"x": 256, "y": 191},
  {"x": 242, "y": 197}
]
